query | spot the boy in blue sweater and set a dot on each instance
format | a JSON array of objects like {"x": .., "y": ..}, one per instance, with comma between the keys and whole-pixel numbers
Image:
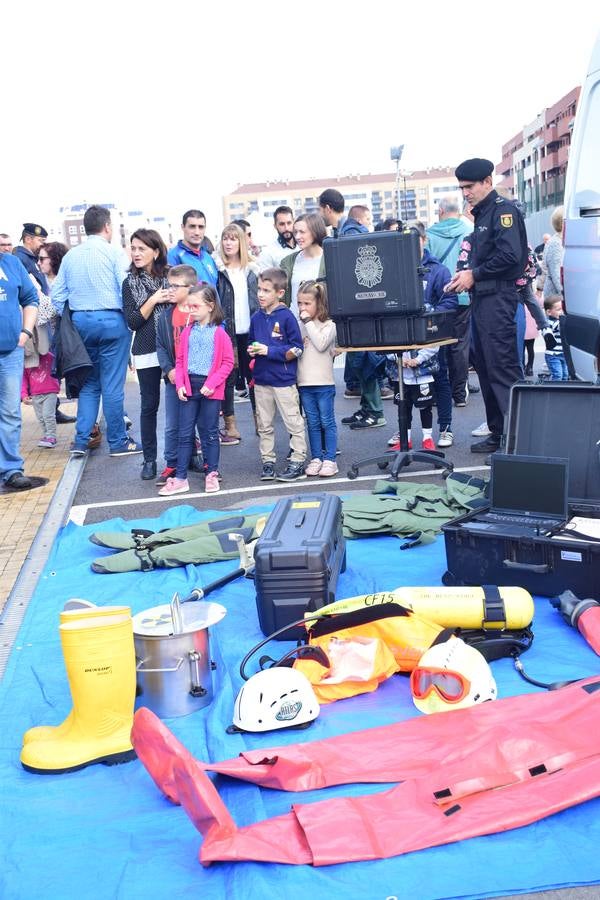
[{"x": 275, "y": 344}]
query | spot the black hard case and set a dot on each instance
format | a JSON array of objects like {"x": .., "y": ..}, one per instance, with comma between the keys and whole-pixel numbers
[
  {"x": 375, "y": 293},
  {"x": 298, "y": 558},
  {"x": 395, "y": 331},
  {"x": 374, "y": 274},
  {"x": 559, "y": 419}
]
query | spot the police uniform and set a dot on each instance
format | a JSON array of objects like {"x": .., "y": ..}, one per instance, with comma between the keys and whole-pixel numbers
[{"x": 499, "y": 256}]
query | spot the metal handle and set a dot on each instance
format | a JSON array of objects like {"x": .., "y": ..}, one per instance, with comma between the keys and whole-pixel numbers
[
  {"x": 176, "y": 614},
  {"x": 196, "y": 689},
  {"x": 542, "y": 569},
  {"x": 140, "y": 666}
]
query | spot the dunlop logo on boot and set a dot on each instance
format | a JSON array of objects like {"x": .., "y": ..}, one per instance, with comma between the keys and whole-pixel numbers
[{"x": 100, "y": 670}]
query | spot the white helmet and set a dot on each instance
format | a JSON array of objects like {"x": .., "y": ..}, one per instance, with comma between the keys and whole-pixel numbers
[
  {"x": 451, "y": 675},
  {"x": 279, "y": 697}
]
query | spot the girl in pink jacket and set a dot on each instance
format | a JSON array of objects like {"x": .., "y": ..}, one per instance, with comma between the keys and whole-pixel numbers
[{"x": 203, "y": 362}]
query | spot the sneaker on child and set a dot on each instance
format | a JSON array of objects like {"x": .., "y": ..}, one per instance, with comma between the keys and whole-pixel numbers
[
  {"x": 268, "y": 472},
  {"x": 314, "y": 467},
  {"x": 48, "y": 442},
  {"x": 355, "y": 417},
  {"x": 328, "y": 468},
  {"x": 167, "y": 472},
  {"x": 446, "y": 438},
  {"x": 293, "y": 472},
  {"x": 481, "y": 430},
  {"x": 428, "y": 444},
  {"x": 211, "y": 485},
  {"x": 369, "y": 421},
  {"x": 175, "y": 486}
]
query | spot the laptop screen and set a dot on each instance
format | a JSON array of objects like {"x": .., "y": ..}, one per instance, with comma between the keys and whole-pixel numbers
[{"x": 529, "y": 486}]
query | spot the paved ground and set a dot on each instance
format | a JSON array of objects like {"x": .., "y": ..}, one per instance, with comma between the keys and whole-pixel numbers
[
  {"x": 112, "y": 487},
  {"x": 22, "y": 513}
]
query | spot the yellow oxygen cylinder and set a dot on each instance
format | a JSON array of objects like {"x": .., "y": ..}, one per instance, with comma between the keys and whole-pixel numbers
[{"x": 453, "y": 607}]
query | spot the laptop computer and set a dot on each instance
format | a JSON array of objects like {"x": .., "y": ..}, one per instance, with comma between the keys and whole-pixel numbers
[{"x": 528, "y": 495}]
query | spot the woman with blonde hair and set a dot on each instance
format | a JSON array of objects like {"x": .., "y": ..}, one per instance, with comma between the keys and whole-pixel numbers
[
  {"x": 237, "y": 286},
  {"x": 553, "y": 256}
]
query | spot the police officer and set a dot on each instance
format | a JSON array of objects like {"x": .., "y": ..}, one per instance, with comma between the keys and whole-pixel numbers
[
  {"x": 32, "y": 239},
  {"x": 498, "y": 257}
]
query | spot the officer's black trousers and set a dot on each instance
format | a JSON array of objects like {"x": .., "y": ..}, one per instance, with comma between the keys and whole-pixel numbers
[
  {"x": 458, "y": 354},
  {"x": 495, "y": 354}
]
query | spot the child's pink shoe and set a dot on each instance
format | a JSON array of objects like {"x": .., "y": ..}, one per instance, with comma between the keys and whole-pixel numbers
[
  {"x": 174, "y": 486},
  {"x": 211, "y": 485}
]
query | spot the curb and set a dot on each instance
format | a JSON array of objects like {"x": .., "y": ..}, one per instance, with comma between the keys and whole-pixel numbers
[{"x": 54, "y": 519}]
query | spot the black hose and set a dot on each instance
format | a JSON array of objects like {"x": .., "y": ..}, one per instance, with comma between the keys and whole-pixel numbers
[{"x": 554, "y": 686}]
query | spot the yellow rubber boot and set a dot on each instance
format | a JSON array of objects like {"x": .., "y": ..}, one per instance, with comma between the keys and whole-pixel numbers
[
  {"x": 71, "y": 614},
  {"x": 100, "y": 662}
]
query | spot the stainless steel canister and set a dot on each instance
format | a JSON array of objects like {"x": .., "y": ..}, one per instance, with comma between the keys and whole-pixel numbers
[{"x": 174, "y": 671}]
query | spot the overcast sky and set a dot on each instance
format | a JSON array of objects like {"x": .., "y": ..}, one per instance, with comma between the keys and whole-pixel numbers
[{"x": 170, "y": 105}]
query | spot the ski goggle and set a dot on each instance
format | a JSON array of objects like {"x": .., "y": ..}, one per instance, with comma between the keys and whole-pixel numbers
[{"x": 450, "y": 686}]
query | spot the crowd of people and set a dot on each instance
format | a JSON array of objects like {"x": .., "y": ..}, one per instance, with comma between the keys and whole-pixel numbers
[{"x": 216, "y": 325}]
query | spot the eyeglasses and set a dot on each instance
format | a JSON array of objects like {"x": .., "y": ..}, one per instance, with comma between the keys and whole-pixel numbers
[
  {"x": 174, "y": 286},
  {"x": 40, "y": 258}
]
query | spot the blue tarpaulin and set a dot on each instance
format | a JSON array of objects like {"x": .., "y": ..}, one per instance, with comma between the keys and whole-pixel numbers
[{"x": 106, "y": 832}]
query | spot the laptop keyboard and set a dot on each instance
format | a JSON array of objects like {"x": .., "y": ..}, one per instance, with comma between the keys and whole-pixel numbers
[{"x": 545, "y": 524}]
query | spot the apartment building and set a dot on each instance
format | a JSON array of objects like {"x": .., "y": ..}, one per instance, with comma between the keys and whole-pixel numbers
[
  {"x": 413, "y": 196},
  {"x": 534, "y": 161}
]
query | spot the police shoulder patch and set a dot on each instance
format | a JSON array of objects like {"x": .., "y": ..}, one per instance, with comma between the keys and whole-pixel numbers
[{"x": 506, "y": 220}]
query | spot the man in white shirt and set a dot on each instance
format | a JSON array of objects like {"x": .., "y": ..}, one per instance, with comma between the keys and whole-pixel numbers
[{"x": 270, "y": 258}]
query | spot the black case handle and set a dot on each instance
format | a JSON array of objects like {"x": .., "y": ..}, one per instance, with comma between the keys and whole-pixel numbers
[{"x": 542, "y": 569}]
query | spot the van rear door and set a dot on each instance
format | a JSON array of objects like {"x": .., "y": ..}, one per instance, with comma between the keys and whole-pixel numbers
[{"x": 581, "y": 265}]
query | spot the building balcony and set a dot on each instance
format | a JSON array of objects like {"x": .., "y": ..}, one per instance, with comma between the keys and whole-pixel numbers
[
  {"x": 550, "y": 134},
  {"x": 563, "y": 155},
  {"x": 550, "y": 161}
]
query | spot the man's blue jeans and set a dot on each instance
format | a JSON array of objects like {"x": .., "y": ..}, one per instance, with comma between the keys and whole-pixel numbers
[
  {"x": 11, "y": 375},
  {"x": 107, "y": 339},
  {"x": 317, "y": 402}
]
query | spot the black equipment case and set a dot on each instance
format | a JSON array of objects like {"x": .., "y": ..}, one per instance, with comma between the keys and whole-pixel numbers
[
  {"x": 375, "y": 292},
  {"x": 298, "y": 558},
  {"x": 560, "y": 419},
  {"x": 400, "y": 331}
]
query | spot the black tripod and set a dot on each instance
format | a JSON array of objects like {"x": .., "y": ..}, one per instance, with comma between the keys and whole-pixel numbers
[{"x": 403, "y": 457}]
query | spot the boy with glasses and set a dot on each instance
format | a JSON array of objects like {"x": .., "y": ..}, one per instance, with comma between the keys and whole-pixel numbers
[{"x": 168, "y": 331}]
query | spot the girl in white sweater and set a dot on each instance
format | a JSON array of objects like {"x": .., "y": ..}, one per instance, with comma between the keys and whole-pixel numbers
[{"x": 315, "y": 377}]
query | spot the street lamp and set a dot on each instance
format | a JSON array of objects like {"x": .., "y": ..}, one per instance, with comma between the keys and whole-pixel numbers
[{"x": 396, "y": 154}]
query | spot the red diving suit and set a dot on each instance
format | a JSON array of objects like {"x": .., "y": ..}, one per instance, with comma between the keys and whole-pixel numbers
[{"x": 466, "y": 772}]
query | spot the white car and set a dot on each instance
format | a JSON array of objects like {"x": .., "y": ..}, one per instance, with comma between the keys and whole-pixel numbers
[{"x": 581, "y": 264}]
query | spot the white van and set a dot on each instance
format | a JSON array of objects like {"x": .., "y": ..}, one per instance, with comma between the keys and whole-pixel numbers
[{"x": 581, "y": 265}]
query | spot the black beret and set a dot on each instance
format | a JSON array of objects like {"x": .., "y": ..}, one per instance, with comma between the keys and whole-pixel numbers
[
  {"x": 34, "y": 230},
  {"x": 474, "y": 170}
]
